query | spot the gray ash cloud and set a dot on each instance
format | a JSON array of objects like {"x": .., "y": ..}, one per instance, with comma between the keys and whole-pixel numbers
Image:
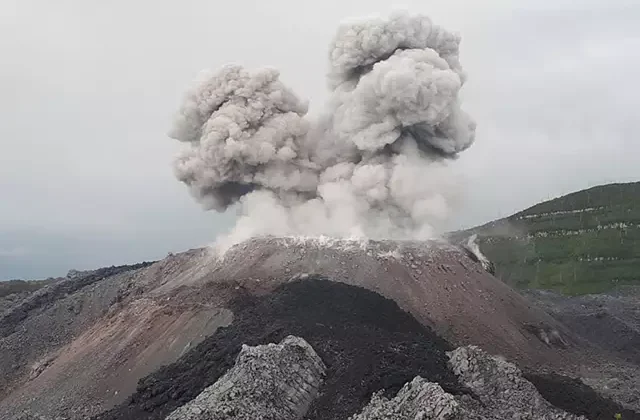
[{"x": 374, "y": 164}]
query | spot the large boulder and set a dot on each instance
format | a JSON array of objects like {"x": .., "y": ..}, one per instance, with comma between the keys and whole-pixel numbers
[
  {"x": 498, "y": 391},
  {"x": 268, "y": 382}
]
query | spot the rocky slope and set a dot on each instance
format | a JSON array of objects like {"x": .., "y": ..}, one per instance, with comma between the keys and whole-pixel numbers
[
  {"x": 33, "y": 328},
  {"x": 12, "y": 291},
  {"x": 610, "y": 322},
  {"x": 497, "y": 391},
  {"x": 366, "y": 342},
  {"x": 584, "y": 242},
  {"x": 79, "y": 350},
  {"x": 281, "y": 382}
]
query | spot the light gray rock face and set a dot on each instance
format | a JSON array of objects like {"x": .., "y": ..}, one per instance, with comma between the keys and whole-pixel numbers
[
  {"x": 500, "y": 392},
  {"x": 499, "y": 385},
  {"x": 417, "y": 400},
  {"x": 268, "y": 382}
]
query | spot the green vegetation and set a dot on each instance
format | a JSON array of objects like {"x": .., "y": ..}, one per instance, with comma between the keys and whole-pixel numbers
[
  {"x": 584, "y": 242},
  {"x": 20, "y": 286}
]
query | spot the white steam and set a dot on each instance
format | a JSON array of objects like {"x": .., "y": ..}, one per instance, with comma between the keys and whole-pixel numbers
[{"x": 374, "y": 165}]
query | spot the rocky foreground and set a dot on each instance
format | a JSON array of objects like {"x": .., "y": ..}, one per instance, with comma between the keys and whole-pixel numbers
[
  {"x": 382, "y": 329},
  {"x": 281, "y": 381}
]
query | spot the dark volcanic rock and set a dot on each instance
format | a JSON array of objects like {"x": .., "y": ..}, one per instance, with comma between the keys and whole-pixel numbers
[
  {"x": 500, "y": 393},
  {"x": 609, "y": 321},
  {"x": 575, "y": 397},
  {"x": 14, "y": 292},
  {"x": 366, "y": 341}
]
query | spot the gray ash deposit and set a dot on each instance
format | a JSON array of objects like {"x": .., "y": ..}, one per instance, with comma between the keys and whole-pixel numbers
[
  {"x": 367, "y": 343},
  {"x": 131, "y": 324}
]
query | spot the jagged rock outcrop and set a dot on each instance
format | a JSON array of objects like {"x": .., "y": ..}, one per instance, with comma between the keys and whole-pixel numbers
[
  {"x": 498, "y": 387},
  {"x": 268, "y": 382},
  {"x": 418, "y": 399}
]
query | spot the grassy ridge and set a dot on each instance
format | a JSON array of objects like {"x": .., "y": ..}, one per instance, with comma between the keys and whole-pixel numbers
[{"x": 584, "y": 242}]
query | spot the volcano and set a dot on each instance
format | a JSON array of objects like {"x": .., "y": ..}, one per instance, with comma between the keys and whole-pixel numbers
[{"x": 95, "y": 344}]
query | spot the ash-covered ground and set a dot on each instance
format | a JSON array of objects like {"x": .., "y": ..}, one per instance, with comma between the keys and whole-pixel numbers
[
  {"x": 366, "y": 341},
  {"x": 387, "y": 313},
  {"x": 611, "y": 321}
]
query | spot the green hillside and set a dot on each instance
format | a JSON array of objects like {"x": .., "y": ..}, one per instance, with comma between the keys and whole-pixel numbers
[{"x": 584, "y": 242}]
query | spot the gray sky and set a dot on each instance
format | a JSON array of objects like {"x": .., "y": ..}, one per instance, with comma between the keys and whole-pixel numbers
[{"x": 88, "y": 89}]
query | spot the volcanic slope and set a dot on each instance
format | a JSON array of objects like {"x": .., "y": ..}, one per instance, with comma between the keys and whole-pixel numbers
[
  {"x": 437, "y": 283},
  {"x": 14, "y": 291},
  {"x": 366, "y": 342},
  {"x": 584, "y": 242},
  {"x": 108, "y": 333},
  {"x": 609, "y": 321}
]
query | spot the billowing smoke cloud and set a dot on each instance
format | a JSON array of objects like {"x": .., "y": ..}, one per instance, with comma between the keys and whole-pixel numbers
[
  {"x": 374, "y": 165},
  {"x": 245, "y": 131}
]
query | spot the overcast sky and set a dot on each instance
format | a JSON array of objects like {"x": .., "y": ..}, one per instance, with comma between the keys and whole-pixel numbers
[{"x": 88, "y": 89}]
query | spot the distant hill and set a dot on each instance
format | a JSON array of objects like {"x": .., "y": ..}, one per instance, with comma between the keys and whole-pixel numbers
[{"x": 584, "y": 242}]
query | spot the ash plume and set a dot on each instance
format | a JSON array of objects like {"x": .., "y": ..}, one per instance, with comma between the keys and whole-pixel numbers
[{"x": 374, "y": 165}]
